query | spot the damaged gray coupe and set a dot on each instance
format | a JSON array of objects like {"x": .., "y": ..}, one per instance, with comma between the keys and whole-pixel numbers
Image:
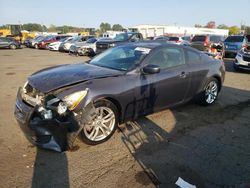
[{"x": 58, "y": 104}]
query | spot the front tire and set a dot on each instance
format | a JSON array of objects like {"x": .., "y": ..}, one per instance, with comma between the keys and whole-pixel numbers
[
  {"x": 103, "y": 126},
  {"x": 210, "y": 93},
  {"x": 36, "y": 46}
]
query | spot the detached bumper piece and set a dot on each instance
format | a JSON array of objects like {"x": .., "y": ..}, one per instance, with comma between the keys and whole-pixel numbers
[{"x": 50, "y": 134}]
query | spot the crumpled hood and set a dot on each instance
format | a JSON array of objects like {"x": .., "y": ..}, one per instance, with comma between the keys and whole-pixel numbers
[{"x": 53, "y": 78}]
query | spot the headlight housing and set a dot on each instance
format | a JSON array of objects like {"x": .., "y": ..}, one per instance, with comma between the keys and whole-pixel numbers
[
  {"x": 74, "y": 99},
  {"x": 112, "y": 45}
]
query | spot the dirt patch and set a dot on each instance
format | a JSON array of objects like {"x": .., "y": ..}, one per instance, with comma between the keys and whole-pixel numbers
[{"x": 10, "y": 73}]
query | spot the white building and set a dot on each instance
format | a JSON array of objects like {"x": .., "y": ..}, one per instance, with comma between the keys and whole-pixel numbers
[
  {"x": 157, "y": 30},
  {"x": 111, "y": 34}
]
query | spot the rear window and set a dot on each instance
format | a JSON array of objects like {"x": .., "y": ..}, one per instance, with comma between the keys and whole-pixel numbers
[
  {"x": 234, "y": 39},
  {"x": 215, "y": 38},
  {"x": 199, "y": 38},
  {"x": 173, "y": 38}
]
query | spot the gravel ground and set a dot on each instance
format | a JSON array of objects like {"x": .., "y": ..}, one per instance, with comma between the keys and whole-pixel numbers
[{"x": 205, "y": 146}]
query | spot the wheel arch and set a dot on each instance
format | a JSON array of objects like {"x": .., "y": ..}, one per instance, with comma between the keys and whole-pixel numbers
[
  {"x": 115, "y": 102},
  {"x": 219, "y": 81}
]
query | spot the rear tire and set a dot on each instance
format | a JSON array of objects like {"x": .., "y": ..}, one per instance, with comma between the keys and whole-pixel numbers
[
  {"x": 210, "y": 93},
  {"x": 13, "y": 46},
  {"x": 36, "y": 46},
  {"x": 104, "y": 126}
]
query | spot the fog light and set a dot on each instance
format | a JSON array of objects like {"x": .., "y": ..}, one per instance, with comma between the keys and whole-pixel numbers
[{"x": 62, "y": 108}]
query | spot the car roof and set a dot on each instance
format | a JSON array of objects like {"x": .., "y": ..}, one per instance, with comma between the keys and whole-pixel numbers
[{"x": 152, "y": 44}]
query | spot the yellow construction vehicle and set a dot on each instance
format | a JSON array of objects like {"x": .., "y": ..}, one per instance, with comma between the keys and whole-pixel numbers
[{"x": 14, "y": 31}]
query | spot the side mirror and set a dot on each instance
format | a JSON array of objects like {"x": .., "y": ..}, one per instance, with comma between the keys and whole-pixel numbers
[{"x": 151, "y": 69}]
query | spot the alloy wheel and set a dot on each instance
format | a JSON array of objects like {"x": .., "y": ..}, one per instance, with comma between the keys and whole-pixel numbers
[
  {"x": 211, "y": 92},
  {"x": 102, "y": 126}
]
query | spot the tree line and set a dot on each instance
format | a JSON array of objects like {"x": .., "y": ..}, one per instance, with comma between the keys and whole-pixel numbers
[
  {"x": 104, "y": 26},
  {"x": 233, "y": 30},
  {"x": 66, "y": 29}
]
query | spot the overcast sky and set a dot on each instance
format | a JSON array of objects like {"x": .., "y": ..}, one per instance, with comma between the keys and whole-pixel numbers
[{"x": 128, "y": 13}]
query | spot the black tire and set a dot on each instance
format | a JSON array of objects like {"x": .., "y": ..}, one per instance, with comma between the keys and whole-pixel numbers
[
  {"x": 105, "y": 104},
  {"x": 236, "y": 68},
  {"x": 203, "y": 97},
  {"x": 36, "y": 46},
  {"x": 13, "y": 46}
]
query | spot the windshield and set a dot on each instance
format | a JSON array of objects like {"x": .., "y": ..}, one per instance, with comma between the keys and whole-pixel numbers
[
  {"x": 173, "y": 38},
  {"x": 121, "y": 37},
  {"x": 215, "y": 38},
  {"x": 199, "y": 38},
  {"x": 49, "y": 37},
  {"x": 76, "y": 39},
  {"x": 234, "y": 39},
  {"x": 64, "y": 39},
  {"x": 91, "y": 41},
  {"x": 121, "y": 58},
  {"x": 40, "y": 38}
]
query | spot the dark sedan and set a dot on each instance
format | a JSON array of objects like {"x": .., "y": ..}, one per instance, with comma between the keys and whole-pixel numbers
[
  {"x": 119, "y": 39},
  {"x": 7, "y": 42},
  {"x": 57, "y": 104}
]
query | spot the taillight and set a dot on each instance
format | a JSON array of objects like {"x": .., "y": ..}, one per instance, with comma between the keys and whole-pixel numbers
[
  {"x": 206, "y": 41},
  {"x": 244, "y": 45}
]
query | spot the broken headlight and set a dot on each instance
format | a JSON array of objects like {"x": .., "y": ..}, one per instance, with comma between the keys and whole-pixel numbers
[{"x": 74, "y": 99}]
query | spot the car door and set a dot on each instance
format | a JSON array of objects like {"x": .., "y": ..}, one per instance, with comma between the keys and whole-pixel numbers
[
  {"x": 170, "y": 85},
  {"x": 4, "y": 43}
]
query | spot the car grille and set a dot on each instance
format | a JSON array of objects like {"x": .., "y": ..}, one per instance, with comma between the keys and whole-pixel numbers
[
  {"x": 102, "y": 46},
  {"x": 246, "y": 58}
]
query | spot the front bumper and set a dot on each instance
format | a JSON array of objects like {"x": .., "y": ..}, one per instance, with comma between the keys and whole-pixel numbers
[
  {"x": 240, "y": 63},
  {"x": 53, "y": 48},
  {"x": 232, "y": 53},
  {"x": 54, "y": 134}
]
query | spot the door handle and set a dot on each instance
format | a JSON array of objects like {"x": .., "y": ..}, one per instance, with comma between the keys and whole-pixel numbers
[{"x": 183, "y": 75}]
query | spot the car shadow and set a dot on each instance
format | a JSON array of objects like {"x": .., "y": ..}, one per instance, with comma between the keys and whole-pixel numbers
[
  {"x": 194, "y": 143},
  {"x": 230, "y": 67},
  {"x": 50, "y": 170}
]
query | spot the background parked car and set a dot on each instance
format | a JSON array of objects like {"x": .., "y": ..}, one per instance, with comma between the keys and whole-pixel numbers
[
  {"x": 210, "y": 44},
  {"x": 187, "y": 38},
  {"x": 87, "y": 48},
  {"x": 43, "y": 44},
  {"x": 27, "y": 41},
  {"x": 242, "y": 59},
  {"x": 121, "y": 38},
  {"x": 54, "y": 46},
  {"x": 178, "y": 40},
  {"x": 7, "y": 42},
  {"x": 233, "y": 44},
  {"x": 65, "y": 46},
  {"x": 162, "y": 38},
  {"x": 34, "y": 42}
]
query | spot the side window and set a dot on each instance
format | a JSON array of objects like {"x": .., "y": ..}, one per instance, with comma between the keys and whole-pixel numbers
[
  {"x": 135, "y": 38},
  {"x": 193, "y": 57},
  {"x": 167, "y": 57},
  {"x": 3, "y": 40}
]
